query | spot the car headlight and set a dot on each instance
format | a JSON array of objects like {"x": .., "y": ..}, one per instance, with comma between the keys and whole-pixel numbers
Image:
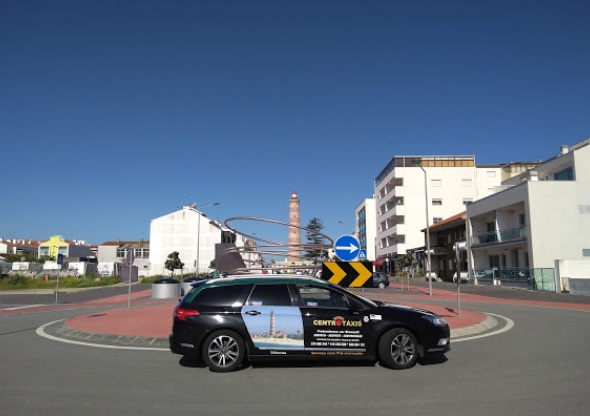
[{"x": 435, "y": 320}]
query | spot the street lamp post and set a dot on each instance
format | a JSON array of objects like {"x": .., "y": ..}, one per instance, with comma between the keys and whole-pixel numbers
[
  {"x": 429, "y": 269},
  {"x": 199, "y": 232}
]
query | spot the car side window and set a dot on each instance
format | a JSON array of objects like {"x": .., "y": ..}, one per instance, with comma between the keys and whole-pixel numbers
[
  {"x": 320, "y": 297},
  {"x": 222, "y": 296},
  {"x": 270, "y": 295}
]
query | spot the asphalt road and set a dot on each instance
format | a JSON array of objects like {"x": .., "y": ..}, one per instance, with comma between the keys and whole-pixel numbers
[{"x": 539, "y": 367}]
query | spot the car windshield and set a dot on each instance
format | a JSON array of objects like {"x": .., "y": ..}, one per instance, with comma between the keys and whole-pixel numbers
[{"x": 359, "y": 297}]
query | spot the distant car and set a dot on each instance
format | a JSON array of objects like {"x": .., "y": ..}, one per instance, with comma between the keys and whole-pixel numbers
[
  {"x": 464, "y": 276},
  {"x": 380, "y": 280},
  {"x": 245, "y": 318}
]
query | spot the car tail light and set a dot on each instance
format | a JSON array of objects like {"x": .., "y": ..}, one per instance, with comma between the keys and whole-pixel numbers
[{"x": 181, "y": 313}]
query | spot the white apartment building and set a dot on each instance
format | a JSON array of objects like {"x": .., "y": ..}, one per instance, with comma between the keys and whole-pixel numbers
[
  {"x": 539, "y": 219},
  {"x": 409, "y": 186},
  {"x": 189, "y": 232},
  {"x": 365, "y": 230}
]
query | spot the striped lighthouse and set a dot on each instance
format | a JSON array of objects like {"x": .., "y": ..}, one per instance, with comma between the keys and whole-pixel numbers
[{"x": 294, "y": 230}]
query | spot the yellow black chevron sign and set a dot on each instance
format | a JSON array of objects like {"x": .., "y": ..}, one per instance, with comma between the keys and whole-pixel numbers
[{"x": 349, "y": 274}]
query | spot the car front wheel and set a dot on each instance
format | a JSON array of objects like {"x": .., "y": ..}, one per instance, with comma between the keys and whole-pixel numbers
[
  {"x": 223, "y": 351},
  {"x": 381, "y": 285},
  {"x": 398, "y": 349}
]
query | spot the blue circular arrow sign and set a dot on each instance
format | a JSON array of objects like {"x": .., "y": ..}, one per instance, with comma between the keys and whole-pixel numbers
[{"x": 347, "y": 248}]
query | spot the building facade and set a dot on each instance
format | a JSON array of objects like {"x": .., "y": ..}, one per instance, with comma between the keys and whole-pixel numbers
[
  {"x": 192, "y": 234},
  {"x": 112, "y": 255},
  {"x": 413, "y": 192},
  {"x": 365, "y": 226},
  {"x": 539, "y": 217},
  {"x": 74, "y": 249}
]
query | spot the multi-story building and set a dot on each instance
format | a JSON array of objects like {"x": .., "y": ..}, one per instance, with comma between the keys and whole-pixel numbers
[
  {"x": 365, "y": 230},
  {"x": 413, "y": 192},
  {"x": 113, "y": 254},
  {"x": 539, "y": 217},
  {"x": 77, "y": 250},
  {"x": 189, "y": 232},
  {"x": 19, "y": 246}
]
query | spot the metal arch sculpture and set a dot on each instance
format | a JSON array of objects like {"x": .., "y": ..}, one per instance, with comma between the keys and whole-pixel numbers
[{"x": 277, "y": 248}]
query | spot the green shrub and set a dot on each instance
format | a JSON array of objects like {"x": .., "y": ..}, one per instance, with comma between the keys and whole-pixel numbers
[{"x": 16, "y": 282}]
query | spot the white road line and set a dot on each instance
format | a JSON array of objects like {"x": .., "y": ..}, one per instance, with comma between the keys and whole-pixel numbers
[
  {"x": 21, "y": 307},
  {"x": 508, "y": 327},
  {"x": 41, "y": 331}
]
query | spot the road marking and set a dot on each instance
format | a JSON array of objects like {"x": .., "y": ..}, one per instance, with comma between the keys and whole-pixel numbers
[
  {"x": 41, "y": 332},
  {"x": 20, "y": 307},
  {"x": 508, "y": 327}
]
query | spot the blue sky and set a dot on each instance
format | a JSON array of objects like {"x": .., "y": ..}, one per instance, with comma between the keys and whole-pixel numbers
[{"x": 113, "y": 113}]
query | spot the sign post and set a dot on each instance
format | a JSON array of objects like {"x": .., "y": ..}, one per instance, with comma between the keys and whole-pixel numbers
[
  {"x": 60, "y": 261},
  {"x": 129, "y": 258}
]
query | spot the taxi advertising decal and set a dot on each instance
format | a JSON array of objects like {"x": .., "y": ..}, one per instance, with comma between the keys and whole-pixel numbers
[{"x": 336, "y": 333}]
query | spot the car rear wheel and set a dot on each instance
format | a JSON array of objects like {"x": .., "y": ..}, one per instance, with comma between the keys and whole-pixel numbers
[
  {"x": 223, "y": 351},
  {"x": 381, "y": 285},
  {"x": 398, "y": 349}
]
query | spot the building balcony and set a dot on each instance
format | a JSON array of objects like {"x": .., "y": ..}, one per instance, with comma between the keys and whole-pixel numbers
[
  {"x": 438, "y": 250},
  {"x": 499, "y": 237}
]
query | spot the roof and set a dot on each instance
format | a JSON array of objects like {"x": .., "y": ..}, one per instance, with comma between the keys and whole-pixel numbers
[
  {"x": 120, "y": 243},
  {"x": 458, "y": 218}
]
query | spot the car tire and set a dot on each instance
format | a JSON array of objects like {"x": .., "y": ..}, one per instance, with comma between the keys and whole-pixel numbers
[
  {"x": 398, "y": 349},
  {"x": 381, "y": 285},
  {"x": 223, "y": 351}
]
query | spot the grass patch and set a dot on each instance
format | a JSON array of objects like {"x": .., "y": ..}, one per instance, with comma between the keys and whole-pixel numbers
[{"x": 19, "y": 282}]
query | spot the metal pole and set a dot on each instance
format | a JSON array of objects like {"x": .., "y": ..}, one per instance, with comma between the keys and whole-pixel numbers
[
  {"x": 458, "y": 271},
  {"x": 427, "y": 231},
  {"x": 198, "y": 241},
  {"x": 57, "y": 286},
  {"x": 129, "y": 268}
]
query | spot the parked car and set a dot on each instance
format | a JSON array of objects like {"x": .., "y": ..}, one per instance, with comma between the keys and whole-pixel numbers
[
  {"x": 380, "y": 280},
  {"x": 227, "y": 322}
]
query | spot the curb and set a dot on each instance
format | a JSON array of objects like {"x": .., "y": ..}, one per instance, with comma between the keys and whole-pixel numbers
[{"x": 59, "y": 331}]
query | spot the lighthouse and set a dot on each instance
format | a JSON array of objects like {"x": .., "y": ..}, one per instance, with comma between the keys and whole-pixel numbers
[{"x": 294, "y": 230}]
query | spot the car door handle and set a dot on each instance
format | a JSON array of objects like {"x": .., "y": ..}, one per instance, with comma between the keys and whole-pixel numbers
[{"x": 253, "y": 313}]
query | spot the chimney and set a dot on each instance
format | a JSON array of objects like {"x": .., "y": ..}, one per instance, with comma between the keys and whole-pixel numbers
[{"x": 563, "y": 150}]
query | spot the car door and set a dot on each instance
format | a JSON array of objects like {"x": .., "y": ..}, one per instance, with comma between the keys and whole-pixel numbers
[
  {"x": 334, "y": 323},
  {"x": 273, "y": 322}
]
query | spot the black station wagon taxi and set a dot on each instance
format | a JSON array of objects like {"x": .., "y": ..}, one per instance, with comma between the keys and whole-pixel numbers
[{"x": 253, "y": 317}]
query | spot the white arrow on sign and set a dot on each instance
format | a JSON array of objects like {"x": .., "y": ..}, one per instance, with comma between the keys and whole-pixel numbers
[{"x": 351, "y": 248}]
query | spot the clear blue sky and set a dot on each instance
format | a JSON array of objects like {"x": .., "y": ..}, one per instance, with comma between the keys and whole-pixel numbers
[{"x": 113, "y": 113}]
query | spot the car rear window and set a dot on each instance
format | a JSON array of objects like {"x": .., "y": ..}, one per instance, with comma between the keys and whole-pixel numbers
[{"x": 222, "y": 296}]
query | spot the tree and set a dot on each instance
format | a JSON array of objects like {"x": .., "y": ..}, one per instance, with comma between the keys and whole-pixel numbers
[
  {"x": 405, "y": 261},
  {"x": 314, "y": 227},
  {"x": 173, "y": 262}
]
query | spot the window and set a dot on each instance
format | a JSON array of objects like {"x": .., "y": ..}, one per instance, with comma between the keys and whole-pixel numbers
[
  {"x": 565, "y": 175},
  {"x": 466, "y": 183},
  {"x": 270, "y": 295},
  {"x": 313, "y": 296},
  {"x": 121, "y": 252},
  {"x": 223, "y": 296},
  {"x": 436, "y": 183},
  {"x": 436, "y": 201},
  {"x": 436, "y": 220}
]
